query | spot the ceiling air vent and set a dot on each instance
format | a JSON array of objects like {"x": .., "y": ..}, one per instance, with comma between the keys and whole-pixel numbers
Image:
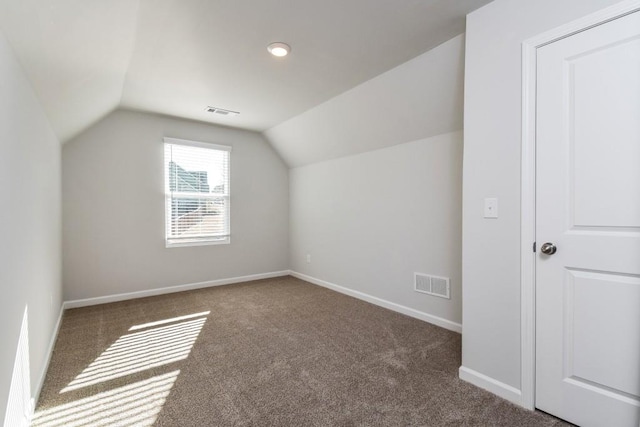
[
  {"x": 432, "y": 285},
  {"x": 221, "y": 111}
]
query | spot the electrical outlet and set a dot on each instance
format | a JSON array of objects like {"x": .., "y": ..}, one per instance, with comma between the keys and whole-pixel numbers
[{"x": 308, "y": 258}]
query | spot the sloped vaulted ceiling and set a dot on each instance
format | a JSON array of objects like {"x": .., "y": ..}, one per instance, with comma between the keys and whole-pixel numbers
[
  {"x": 85, "y": 58},
  {"x": 418, "y": 99},
  {"x": 75, "y": 54}
]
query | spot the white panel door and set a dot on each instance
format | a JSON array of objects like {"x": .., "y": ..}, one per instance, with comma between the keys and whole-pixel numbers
[{"x": 588, "y": 206}]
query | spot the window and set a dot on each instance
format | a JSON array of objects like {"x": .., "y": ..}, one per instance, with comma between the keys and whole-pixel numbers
[{"x": 196, "y": 192}]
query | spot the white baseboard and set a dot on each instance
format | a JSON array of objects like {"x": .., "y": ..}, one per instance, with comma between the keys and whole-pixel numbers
[
  {"x": 429, "y": 318},
  {"x": 496, "y": 387},
  {"x": 43, "y": 373},
  {"x": 170, "y": 289}
]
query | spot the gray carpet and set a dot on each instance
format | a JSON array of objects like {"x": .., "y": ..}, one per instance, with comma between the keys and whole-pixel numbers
[{"x": 276, "y": 352}]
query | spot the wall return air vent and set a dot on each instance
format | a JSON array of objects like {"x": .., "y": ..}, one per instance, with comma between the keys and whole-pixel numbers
[
  {"x": 221, "y": 111},
  {"x": 432, "y": 285}
]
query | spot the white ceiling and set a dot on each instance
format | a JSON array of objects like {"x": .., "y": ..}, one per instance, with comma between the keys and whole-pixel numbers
[
  {"x": 75, "y": 54},
  {"x": 85, "y": 58},
  {"x": 418, "y": 99}
]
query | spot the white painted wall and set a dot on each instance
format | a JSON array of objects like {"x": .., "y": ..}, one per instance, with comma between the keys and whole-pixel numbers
[
  {"x": 369, "y": 221},
  {"x": 113, "y": 208},
  {"x": 492, "y": 125},
  {"x": 29, "y": 225},
  {"x": 418, "y": 99}
]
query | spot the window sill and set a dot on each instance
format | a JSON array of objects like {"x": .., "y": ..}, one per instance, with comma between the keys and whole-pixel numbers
[{"x": 198, "y": 243}]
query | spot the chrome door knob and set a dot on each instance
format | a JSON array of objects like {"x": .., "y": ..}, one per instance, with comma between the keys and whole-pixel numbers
[{"x": 548, "y": 248}]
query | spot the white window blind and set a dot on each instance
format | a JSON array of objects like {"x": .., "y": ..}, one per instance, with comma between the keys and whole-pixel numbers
[{"x": 197, "y": 192}]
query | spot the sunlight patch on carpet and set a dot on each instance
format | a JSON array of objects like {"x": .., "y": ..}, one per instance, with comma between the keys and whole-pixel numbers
[
  {"x": 165, "y": 321},
  {"x": 136, "y": 404},
  {"x": 139, "y": 351}
]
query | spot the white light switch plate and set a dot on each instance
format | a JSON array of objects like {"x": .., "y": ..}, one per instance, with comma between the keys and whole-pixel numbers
[{"x": 491, "y": 208}]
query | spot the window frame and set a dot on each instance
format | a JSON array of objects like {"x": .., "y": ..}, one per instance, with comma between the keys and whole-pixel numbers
[{"x": 225, "y": 240}]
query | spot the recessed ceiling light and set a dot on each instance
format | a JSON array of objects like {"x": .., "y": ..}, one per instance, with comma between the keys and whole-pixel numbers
[{"x": 279, "y": 49}]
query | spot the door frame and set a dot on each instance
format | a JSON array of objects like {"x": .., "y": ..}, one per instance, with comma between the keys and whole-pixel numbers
[{"x": 528, "y": 184}]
